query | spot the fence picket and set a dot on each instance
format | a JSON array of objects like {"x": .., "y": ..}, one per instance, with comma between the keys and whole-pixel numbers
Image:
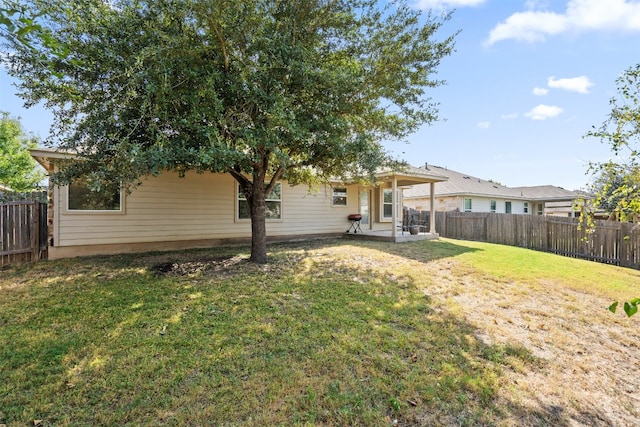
[{"x": 21, "y": 231}]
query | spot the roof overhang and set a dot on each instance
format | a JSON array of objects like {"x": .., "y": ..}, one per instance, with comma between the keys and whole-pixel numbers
[
  {"x": 47, "y": 157},
  {"x": 413, "y": 176}
]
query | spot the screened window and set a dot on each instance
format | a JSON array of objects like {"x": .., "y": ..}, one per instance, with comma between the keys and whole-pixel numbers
[
  {"x": 493, "y": 206},
  {"x": 507, "y": 207},
  {"x": 82, "y": 198},
  {"x": 467, "y": 205},
  {"x": 273, "y": 204},
  {"x": 339, "y": 196}
]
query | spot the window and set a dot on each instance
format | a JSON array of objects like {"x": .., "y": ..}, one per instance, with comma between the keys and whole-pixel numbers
[
  {"x": 467, "y": 205},
  {"x": 339, "y": 196},
  {"x": 364, "y": 206},
  {"x": 387, "y": 204},
  {"x": 81, "y": 198},
  {"x": 493, "y": 206},
  {"x": 273, "y": 204},
  {"x": 540, "y": 208},
  {"x": 507, "y": 207},
  {"x": 526, "y": 207}
]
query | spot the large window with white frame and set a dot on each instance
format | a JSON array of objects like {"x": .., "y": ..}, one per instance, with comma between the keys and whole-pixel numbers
[
  {"x": 339, "y": 196},
  {"x": 468, "y": 207},
  {"x": 273, "y": 204},
  {"x": 494, "y": 206},
  {"x": 387, "y": 205},
  {"x": 82, "y": 198},
  {"x": 507, "y": 207}
]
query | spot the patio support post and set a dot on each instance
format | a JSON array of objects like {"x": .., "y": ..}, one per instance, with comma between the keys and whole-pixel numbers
[
  {"x": 394, "y": 213},
  {"x": 432, "y": 214}
]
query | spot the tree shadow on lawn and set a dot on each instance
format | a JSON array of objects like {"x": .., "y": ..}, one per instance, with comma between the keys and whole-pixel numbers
[{"x": 306, "y": 339}]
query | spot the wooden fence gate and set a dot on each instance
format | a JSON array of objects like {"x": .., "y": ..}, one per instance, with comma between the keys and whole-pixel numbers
[{"x": 23, "y": 232}]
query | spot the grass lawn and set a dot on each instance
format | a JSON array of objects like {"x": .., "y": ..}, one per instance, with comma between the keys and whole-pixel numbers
[{"x": 328, "y": 332}]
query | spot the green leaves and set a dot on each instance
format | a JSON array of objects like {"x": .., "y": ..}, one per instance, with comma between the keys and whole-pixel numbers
[
  {"x": 630, "y": 307},
  {"x": 617, "y": 183},
  {"x": 18, "y": 170},
  {"x": 303, "y": 90}
]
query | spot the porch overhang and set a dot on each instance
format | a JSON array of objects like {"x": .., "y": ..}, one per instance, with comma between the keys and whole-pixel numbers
[{"x": 407, "y": 177}]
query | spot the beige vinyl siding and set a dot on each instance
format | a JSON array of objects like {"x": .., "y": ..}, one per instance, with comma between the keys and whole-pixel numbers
[{"x": 197, "y": 207}]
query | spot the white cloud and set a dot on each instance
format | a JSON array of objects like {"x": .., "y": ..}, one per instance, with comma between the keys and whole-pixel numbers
[
  {"x": 510, "y": 116},
  {"x": 483, "y": 125},
  {"x": 580, "y": 15},
  {"x": 543, "y": 112},
  {"x": 540, "y": 91},
  {"x": 445, "y": 4},
  {"x": 579, "y": 84}
]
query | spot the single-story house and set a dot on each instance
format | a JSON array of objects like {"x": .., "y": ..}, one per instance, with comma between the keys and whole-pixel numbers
[
  {"x": 465, "y": 193},
  {"x": 201, "y": 210}
]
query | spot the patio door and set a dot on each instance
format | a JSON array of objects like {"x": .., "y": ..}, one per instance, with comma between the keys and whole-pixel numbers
[{"x": 364, "y": 208}]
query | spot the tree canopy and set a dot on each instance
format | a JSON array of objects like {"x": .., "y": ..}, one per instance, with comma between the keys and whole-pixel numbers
[
  {"x": 617, "y": 181},
  {"x": 264, "y": 90},
  {"x": 18, "y": 170}
]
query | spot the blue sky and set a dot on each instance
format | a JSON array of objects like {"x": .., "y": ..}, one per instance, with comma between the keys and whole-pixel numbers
[{"x": 527, "y": 81}]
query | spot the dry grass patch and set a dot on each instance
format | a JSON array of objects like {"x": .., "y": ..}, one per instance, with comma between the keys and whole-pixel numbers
[{"x": 327, "y": 333}]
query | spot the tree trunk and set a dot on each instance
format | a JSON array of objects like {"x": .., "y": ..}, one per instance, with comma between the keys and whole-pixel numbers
[{"x": 258, "y": 223}]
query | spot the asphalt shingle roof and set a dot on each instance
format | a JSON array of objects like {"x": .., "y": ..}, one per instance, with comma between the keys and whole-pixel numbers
[{"x": 462, "y": 184}]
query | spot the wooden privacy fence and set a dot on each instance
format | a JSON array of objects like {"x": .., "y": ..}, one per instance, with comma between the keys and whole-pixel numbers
[
  {"x": 23, "y": 232},
  {"x": 609, "y": 242}
]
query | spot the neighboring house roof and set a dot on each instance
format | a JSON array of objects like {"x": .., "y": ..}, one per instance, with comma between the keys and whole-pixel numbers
[
  {"x": 548, "y": 192},
  {"x": 460, "y": 184}
]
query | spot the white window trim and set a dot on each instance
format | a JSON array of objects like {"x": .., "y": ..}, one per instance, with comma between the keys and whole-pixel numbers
[
  {"x": 237, "y": 205},
  {"x": 508, "y": 203},
  {"x": 464, "y": 208},
  {"x": 346, "y": 197},
  {"x": 398, "y": 204},
  {"x": 493, "y": 209},
  {"x": 69, "y": 211}
]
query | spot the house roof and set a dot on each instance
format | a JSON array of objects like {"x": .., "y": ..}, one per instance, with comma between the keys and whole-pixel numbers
[
  {"x": 406, "y": 176},
  {"x": 412, "y": 176},
  {"x": 460, "y": 184}
]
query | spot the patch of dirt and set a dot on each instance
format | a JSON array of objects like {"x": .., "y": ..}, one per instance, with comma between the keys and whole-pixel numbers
[
  {"x": 591, "y": 356},
  {"x": 188, "y": 266}
]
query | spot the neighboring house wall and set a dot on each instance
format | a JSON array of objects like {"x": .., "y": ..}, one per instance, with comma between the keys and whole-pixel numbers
[
  {"x": 198, "y": 208},
  {"x": 478, "y": 204},
  {"x": 462, "y": 192}
]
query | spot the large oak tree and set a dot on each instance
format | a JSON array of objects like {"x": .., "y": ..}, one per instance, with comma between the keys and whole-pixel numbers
[{"x": 261, "y": 89}]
